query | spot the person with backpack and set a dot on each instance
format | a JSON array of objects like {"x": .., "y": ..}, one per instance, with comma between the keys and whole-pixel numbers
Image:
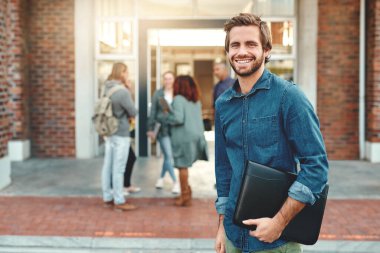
[{"x": 117, "y": 140}]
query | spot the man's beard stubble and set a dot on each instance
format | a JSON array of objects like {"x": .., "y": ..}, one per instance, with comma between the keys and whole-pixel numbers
[{"x": 256, "y": 66}]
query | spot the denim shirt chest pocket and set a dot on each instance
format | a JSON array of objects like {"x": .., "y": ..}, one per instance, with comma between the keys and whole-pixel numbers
[{"x": 263, "y": 131}]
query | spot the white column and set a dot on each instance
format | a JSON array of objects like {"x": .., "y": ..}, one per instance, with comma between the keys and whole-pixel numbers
[
  {"x": 19, "y": 150},
  {"x": 5, "y": 172},
  {"x": 84, "y": 78},
  {"x": 372, "y": 152},
  {"x": 307, "y": 48}
]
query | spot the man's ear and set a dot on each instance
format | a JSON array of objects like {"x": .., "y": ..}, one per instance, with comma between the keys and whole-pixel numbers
[{"x": 266, "y": 52}]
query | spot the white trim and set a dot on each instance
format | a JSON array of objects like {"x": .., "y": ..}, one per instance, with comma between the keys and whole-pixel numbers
[
  {"x": 5, "y": 172},
  {"x": 362, "y": 63},
  {"x": 372, "y": 151},
  {"x": 137, "y": 86},
  {"x": 148, "y": 87},
  {"x": 84, "y": 79},
  {"x": 19, "y": 150}
]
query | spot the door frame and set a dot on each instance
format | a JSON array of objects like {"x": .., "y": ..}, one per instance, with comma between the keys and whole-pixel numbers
[{"x": 144, "y": 25}]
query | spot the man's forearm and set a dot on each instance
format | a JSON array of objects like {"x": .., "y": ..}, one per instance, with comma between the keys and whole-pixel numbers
[{"x": 289, "y": 209}]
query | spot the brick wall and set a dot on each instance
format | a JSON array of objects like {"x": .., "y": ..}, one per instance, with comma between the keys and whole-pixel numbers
[
  {"x": 338, "y": 76},
  {"x": 4, "y": 98},
  {"x": 373, "y": 72},
  {"x": 51, "y": 36},
  {"x": 17, "y": 68}
]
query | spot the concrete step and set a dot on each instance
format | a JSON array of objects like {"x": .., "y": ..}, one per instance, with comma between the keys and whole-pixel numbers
[{"x": 42, "y": 244}]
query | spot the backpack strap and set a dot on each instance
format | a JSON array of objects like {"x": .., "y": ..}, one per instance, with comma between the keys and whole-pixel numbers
[{"x": 113, "y": 90}]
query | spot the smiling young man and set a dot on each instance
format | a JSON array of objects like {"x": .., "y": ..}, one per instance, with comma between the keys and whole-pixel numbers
[{"x": 265, "y": 119}]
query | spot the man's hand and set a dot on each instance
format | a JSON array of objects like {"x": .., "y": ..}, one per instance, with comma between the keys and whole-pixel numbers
[
  {"x": 270, "y": 229},
  {"x": 220, "y": 241},
  {"x": 267, "y": 230}
]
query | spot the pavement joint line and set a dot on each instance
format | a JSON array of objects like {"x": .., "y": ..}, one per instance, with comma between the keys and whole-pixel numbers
[{"x": 80, "y": 243}]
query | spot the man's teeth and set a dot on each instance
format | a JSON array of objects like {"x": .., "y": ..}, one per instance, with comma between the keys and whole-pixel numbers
[{"x": 242, "y": 61}]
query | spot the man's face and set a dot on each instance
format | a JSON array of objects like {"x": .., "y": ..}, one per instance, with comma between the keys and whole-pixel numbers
[
  {"x": 246, "y": 53},
  {"x": 219, "y": 71}
]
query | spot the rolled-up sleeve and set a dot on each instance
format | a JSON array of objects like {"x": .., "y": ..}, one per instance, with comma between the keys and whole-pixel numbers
[
  {"x": 306, "y": 142},
  {"x": 223, "y": 170},
  {"x": 301, "y": 193},
  {"x": 220, "y": 204}
]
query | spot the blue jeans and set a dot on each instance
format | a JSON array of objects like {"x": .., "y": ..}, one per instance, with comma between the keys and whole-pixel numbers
[
  {"x": 166, "y": 148},
  {"x": 115, "y": 158}
]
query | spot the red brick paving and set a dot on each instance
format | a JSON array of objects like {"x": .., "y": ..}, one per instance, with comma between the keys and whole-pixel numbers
[{"x": 78, "y": 216}]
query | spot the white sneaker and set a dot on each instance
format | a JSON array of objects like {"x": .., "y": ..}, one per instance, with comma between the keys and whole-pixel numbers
[
  {"x": 160, "y": 183},
  {"x": 133, "y": 189},
  {"x": 176, "y": 189}
]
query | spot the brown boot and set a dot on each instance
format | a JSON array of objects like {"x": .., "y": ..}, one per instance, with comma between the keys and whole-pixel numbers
[
  {"x": 185, "y": 198},
  {"x": 124, "y": 207}
]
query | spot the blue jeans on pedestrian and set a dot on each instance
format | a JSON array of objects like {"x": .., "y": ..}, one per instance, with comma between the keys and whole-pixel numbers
[
  {"x": 115, "y": 158},
  {"x": 166, "y": 148}
]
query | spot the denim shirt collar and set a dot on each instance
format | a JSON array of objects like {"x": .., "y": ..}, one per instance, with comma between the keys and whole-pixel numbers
[{"x": 261, "y": 84}]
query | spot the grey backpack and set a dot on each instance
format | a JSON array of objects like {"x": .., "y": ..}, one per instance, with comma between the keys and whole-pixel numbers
[{"x": 104, "y": 121}]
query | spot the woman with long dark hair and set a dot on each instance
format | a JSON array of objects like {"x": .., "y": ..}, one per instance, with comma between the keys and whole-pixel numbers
[{"x": 187, "y": 132}]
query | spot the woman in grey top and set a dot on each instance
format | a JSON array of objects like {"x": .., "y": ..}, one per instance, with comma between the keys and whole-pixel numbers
[
  {"x": 117, "y": 145},
  {"x": 187, "y": 132},
  {"x": 161, "y": 102}
]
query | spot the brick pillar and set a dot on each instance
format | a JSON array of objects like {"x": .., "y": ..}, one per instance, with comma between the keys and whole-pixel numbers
[
  {"x": 4, "y": 99},
  {"x": 17, "y": 70},
  {"x": 373, "y": 81},
  {"x": 52, "y": 71},
  {"x": 338, "y": 76}
]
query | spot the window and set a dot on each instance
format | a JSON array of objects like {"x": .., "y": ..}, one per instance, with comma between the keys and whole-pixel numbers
[
  {"x": 115, "y": 37},
  {"x": 282, "y": 37},
  {"x": 283, "y": 54},
  {"x": 282, "y": 68}
]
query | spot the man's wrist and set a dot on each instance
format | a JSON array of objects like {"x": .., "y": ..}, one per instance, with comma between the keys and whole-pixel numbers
[
  {"x": 280, "y": 220},
  {"x": 220, "y": 220}
]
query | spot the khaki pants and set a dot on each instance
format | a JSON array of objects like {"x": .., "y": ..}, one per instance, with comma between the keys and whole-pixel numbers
[{"x": 290, "y": 247}]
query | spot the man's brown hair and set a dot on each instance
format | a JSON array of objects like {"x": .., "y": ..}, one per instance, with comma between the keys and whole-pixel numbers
[{"x": 247, "y": 19}]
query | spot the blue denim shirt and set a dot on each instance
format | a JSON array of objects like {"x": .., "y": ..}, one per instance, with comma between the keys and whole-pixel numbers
[{"x": 275, "y": 125}]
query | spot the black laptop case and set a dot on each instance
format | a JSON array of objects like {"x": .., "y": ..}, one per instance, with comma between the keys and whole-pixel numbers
[{"x": 263, "y": 192}]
